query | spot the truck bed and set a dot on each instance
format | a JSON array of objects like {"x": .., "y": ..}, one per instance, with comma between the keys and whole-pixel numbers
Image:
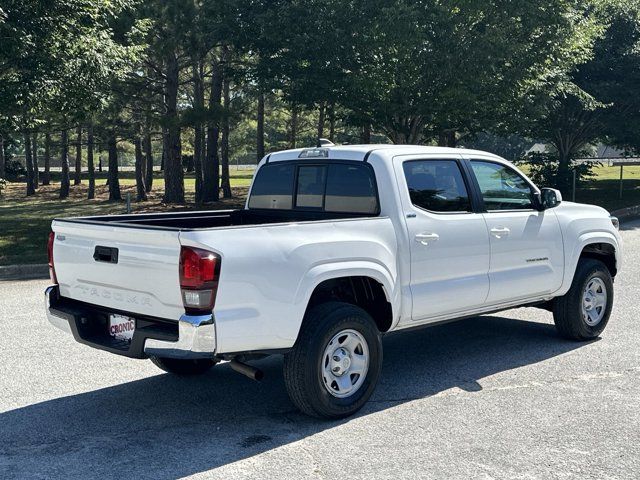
[
  {"x": 267, "y": 271},
  {"x": 213, "y": 218}
]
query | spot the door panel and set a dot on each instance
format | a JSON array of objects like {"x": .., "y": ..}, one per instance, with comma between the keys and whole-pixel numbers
[
  {"x": 449, "y": 249},
  {"x": 526, "y": 245},
  {"x": 528, "y": 260},
  {"x": 450, "y": 274}
]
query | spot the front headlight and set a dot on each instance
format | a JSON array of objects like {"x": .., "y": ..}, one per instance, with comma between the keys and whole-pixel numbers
[{"x": 616, "y": 222}]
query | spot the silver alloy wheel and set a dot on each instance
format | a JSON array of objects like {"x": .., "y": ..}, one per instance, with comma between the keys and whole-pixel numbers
[
  {"x": 594, "y": 301},
  {"x": 345, "y": 363}
]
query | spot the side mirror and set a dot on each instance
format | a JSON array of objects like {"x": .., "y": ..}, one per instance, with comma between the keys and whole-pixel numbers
[{"x": 548, "y": 198}]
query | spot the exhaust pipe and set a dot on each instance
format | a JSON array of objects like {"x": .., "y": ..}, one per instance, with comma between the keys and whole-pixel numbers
[{"x": 252, "y": 372}]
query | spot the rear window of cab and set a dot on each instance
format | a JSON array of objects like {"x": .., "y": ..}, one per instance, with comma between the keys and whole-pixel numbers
[{"x": 330, "y": 187}]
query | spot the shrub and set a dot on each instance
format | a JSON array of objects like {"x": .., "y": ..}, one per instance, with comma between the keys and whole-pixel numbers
[
  {"x": 14, "y": 170},
  {"x": 544, "y": 170}
]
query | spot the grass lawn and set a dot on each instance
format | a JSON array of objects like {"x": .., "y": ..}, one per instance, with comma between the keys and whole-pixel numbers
[
  {"x": 605, "y": 189},
  {"x": 25, "y": 222}
]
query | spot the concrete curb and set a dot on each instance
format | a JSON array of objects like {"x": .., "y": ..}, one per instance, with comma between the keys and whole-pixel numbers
[
  {"x": 626, "y": 214},
  {"x": 24, "y": 272}
]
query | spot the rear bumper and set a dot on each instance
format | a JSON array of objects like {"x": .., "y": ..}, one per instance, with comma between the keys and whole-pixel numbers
[{"x": 190, "y": 337}]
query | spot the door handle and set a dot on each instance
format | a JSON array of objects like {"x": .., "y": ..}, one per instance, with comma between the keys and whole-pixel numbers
[
  {"x": 500, "y": 232},
  {"x": 425, "y": 238}
]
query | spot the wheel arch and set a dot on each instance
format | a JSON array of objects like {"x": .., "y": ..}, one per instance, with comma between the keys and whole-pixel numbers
[
  {"x": 366, "y": 284},
  {"x": 601, "y": 246}
]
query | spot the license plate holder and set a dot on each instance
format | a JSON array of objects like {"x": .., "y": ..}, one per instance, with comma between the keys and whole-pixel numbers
[{"x": 121, "y": 327}]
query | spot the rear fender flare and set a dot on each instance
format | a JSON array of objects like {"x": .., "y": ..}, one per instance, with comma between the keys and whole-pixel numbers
[{"x": 320, "y": 273}]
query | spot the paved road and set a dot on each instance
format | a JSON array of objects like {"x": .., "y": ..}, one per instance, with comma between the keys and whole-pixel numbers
[{"x": 492, "y": 397}]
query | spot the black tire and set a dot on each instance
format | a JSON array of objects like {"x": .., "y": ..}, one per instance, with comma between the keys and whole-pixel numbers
[
  {"x": 184, "y": 367},
  {"x": 303, "y": 364},
  {"x": 567, "y": 311}
]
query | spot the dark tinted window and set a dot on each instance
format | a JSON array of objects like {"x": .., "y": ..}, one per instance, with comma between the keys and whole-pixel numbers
[
  {"x": 437, "y": 185},
  {"x": 273, "y": 187},
  {"x": 501, "y": 187},
  {"x": 350, "y": 188},
  {"x": 311, "y": 180},
  {"x": 336, "y": 187}
]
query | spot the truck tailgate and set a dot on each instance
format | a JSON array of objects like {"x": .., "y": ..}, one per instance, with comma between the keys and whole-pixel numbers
[{"x": 143, "y": 279}]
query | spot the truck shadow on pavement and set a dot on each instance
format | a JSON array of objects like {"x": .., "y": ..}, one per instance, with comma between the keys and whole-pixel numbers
[{"x": 164, "y": 427}]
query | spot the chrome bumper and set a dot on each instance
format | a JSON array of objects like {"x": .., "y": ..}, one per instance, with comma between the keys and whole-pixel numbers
[
  {"x": 58, "y": 322},
  {"x": 196, "y": 334},
  {"x": 196, "y": 339}
]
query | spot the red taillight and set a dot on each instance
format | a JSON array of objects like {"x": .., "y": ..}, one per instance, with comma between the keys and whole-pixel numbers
[
  {"x": 199, "y": 271},
  {"x": 52, "y": 270}
]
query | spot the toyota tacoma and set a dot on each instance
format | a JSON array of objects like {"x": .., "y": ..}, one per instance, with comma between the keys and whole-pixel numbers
[{"x": 336, "y": 247}]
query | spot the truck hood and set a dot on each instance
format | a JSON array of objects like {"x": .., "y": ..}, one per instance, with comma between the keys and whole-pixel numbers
[
  {"x": 579, "y": 219},
  {"x": 581, "y": 210}
]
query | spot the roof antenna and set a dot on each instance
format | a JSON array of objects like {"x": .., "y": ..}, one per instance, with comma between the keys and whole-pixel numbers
[{"x": 323, "y": 142}]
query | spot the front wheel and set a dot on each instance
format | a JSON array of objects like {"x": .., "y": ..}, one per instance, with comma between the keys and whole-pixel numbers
[
  {"x": 583, "y": 313},
  {"x": 335, "y": 364},
  {"x": 184, "y": 366}
]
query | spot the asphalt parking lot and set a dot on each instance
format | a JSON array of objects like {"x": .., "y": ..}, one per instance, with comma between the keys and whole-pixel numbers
[{"x": 497, "y": 396}]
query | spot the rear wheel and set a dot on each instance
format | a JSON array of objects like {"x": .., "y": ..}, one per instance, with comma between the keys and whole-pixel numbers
[
  {"x": 335, "y": 364},
  {"x": 184, "y": 366},
  {"x": 583, "y": 313}
]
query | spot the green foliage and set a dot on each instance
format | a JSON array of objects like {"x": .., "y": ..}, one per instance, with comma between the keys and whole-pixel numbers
[
  {"x": 421, "y": 67},
  {"x": 57, "y": 57},
  {"x": 512, "y": 147},
  {"x": 14, "y": 170},
  {"x": 564, "y": 72},
  {"x": 612, "y": 76},
  {"x": 598, "y": 99},
  {"x": 545, "y": 170}
]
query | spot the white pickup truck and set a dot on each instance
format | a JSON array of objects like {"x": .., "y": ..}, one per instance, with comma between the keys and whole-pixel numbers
[{"x": 336, "y": 247}]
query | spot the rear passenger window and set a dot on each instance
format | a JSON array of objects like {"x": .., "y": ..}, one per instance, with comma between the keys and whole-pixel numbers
[
  {"x": 350, "y": 188},
  {"x": 437, "y": 185},
  {"x": 311, "y": 182},
  {"x": 273, "y": 187}
]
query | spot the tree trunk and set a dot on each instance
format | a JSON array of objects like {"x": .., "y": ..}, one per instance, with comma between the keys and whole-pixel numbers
[
  {"x": 65, "y": 181},
  {"x": 29, "y": 161},
  {"x": 173, "y": 173},
  {"x": 188, "y": 163},
  {"x": 3, "y": 171},
  {"x": 77, "y": 178},
  {"x": 141, "y": 193},
  {"x": 36, "y": 168},
  {"x": 365, "y": 135},
  {"x": 90, "y": 168},
  {"x": 165, "y": 149},
  {"x": 332, "y": 122},
  {"x": 447, "y": 138},
  {"x": 114, "y": 181},
  {"x": 198, "y": 141},
  {"x": 260, "y": 129},
  {"x": 321, "y": 115},
  {"x": 148, "y": 153},
  {"x": 293, "y": 129},
  {"x": 224, "y": 147},
  {"x": 564, "y": 178},
  {"x": 46, "y": 175},
  {"x": 211, "y": 167}
]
